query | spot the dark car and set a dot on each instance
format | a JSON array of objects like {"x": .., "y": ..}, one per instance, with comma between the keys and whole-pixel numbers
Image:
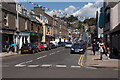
[
  {"x": 52, "y": 46},
  {"x": 77, "y": 48},
  {"x": 61, "y": 44},
  {"x": 29, "y": 48}
]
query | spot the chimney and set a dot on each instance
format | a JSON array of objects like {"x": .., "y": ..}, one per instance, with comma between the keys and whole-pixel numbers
[{"x": 38, "y": 10}]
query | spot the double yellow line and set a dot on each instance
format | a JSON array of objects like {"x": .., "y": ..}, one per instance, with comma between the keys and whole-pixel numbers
[{"x": 80, "y": 62}]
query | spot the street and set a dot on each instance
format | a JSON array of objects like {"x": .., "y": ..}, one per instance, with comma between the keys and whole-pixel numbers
[{"x": 56, "y": 63}]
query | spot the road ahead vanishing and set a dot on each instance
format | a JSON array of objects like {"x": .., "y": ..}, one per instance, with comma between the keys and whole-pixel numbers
[{"x": 56, "y": 63}]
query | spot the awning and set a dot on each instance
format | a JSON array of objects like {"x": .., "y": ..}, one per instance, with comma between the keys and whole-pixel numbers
[{"x": 35, "y": 34}]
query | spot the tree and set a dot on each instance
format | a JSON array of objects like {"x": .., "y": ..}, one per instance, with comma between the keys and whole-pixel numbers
[{"x": 90, "y": 22}]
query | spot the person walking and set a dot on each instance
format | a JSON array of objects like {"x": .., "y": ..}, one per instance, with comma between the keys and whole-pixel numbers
[
  {"x": 102, "y": 49},
  {"x": 13, "y": 47},
  {"x": 94, "y": 43},
  {"x": 7, "y": 46}
]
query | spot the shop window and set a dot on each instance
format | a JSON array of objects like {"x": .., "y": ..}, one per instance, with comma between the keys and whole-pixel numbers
[
  {"x": 31, "y": 26},
  {"x": 6, "y": 19}
]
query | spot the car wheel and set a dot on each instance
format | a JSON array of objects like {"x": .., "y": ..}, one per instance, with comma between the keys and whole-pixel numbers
[
  {"x": 33, "y": 51},
  {"x": 37, "y": 51}
]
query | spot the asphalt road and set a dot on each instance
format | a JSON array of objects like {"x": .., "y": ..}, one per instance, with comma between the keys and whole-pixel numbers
[{"x": 56, "y": 63}]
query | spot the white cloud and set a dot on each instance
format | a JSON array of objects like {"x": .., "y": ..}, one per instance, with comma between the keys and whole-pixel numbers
[
  {"x": 70, "y": 9},
  {"x": 88, "y": 10}
]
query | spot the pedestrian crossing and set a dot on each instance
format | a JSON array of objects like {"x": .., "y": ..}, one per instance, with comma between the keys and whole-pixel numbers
[{"x": 47, "y": 66}]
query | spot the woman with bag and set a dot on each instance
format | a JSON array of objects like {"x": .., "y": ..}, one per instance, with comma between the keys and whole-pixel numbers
[{"x": 102, "y": 49}]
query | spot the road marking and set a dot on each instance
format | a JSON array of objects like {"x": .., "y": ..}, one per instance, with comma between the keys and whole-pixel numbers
[
  {"x": 75, "y": 66},
  {"x": 116, "y": 69},
  {"x": 58, "y": 51},
  {"x": 20, "y": 65},
  {"x": 61, "y": 66},
  {"x": 46, "y": 65},
  {"x": 33, "y": 66},
  {"x": 29, "y": 61},
  {"x": 79, "y": 60},
  {"x": 42, "y": 57}
]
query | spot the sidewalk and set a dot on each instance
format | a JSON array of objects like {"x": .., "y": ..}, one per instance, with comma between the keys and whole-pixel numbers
[
  {"x": 5, "y": 54},
  {"x": 94, "y": 60}
]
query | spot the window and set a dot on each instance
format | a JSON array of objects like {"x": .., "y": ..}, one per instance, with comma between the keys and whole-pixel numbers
[
  {"x": 6, "y": 19},
  {"x": 25, "y": 24},
  {"x": 107, "y": 15},
  {"x": 31, "y": 26},
  {"x": 48, "y": 29},
  {"x": 38, "y": 28}
]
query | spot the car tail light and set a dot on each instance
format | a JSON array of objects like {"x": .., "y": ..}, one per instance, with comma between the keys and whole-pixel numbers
[
  {"x": 31, "y": 47},
  {"x": 21, "y": 48}
]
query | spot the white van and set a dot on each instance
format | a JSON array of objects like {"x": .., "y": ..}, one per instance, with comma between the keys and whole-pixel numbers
[{"x": 55, "y": 43}]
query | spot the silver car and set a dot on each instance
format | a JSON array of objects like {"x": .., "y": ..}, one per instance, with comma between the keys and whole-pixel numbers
[{"x": 68, "y": 45}]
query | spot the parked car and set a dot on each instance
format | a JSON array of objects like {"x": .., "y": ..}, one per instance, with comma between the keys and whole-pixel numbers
[
  {"x": 68, "y": 45},
  {"x": 55, "y": 43},
  {"x": 29, "y": 48},
  {"x": 46, "y": 45},
  {"x": 52, "y": 45},
  {"x": 77, "y": 48},
  {"x": 61, "y": 44},
  {"x": 40, "y": 47}
]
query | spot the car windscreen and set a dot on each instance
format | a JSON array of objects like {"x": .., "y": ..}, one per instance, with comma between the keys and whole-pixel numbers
[
  {"x": 26, "y": 45},
  {"x": 69, "y": 43}
]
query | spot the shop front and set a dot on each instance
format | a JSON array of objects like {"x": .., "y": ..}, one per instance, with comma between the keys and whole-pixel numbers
[
  {"x": 23, "y": 37},
  {"x": 35, "y": 37}
]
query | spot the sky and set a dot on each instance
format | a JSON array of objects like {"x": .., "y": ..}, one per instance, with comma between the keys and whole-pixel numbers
[{"x": 84, "y": 9}]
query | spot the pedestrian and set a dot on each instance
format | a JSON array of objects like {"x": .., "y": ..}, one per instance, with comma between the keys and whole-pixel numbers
[
  {"x": 13, "y": 47},
  {"x": 94, "y": 43},
  {"x": 7, "y": 46},
  {"x": 102, "y": 49}
]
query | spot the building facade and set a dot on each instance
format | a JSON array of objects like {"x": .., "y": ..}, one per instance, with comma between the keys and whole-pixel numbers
[{"x": 112, "y": 26}]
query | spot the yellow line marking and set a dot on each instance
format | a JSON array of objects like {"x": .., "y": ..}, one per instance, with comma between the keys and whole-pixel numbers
[
  {"x": 116, "y": 69},
  {"x": 79, "y": 60}
]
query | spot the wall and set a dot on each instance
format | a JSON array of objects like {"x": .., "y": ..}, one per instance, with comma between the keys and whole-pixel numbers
[{"x": 114, "y": 17}]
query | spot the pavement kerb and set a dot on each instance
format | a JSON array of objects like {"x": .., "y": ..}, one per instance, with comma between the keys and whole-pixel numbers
[{"x": 8, "y": 55}]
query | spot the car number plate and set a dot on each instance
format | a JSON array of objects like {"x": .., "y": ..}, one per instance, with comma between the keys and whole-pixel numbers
[
  {"x": 25, "y": 50},
  {"x": 76, "y": 51}
]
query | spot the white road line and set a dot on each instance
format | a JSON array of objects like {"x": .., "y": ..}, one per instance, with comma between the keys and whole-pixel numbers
[
  {"x": 42, "y": 57},
  {"x": 75, "y": 66},
  {"x": 29, "y": 61},
  {"x": 53, "y": 53},
  {"x": 58, "y": 51},
  {"x": 46, "y": 65},
  {"x": 61, "y": 66},
  {"x": 33, "y": 66},
  {"x": 20, "y": 65}
]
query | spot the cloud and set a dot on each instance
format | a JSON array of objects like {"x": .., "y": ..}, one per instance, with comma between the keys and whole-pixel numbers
[
  {"x": 88, "y": 10},
  {"x": 70, "y": 9}
]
